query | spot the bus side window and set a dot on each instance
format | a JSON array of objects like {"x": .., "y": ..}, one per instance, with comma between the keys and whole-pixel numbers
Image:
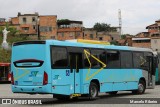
[
  {"x": 86, "y": 58},
  {"x": 99, "y": 57},
  {"x": 138, "y": 60},
  {"x": 147, "y": 57},
  {"x": 113, "y": 59},
  {"x": 126, "y": 59},
  {"x": 59, "y": 57}
]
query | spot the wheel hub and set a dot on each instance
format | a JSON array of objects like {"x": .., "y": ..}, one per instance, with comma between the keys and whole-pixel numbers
[{"x": 140, "y": 88}]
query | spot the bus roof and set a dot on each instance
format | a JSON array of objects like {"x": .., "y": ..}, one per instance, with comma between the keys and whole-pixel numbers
[
  {"x": 76, "y": 44},
  {"x": 84, "y": 45}
]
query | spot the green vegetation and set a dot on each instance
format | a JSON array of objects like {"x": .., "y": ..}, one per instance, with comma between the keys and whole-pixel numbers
[
  {"x": 5, "y": 55},
  {"x": 63, "y": 20},
  {"x": 99, "y": 27},
  {"x": 125, "y": 35},
  {"x": 114, "y": 43}
]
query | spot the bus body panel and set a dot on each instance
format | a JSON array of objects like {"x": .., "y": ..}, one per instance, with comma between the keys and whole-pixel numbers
[
  {"x": 31, "y": 89},
  {"x": 114, "y": 79},
  {"x": 28, "y": 67},
  {"x": 63, "y": 79}
]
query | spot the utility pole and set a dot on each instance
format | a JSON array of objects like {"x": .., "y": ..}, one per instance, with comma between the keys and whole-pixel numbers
[{"x": 120, "y": 23}]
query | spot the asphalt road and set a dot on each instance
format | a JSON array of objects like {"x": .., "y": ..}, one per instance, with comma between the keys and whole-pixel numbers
[{"x": 5, "y": 92}]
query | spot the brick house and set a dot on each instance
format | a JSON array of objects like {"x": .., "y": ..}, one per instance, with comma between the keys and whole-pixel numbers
[
  {"x": 2, "y": 21},
  {"x": 69, "y": 30},
  {"x": 141, "y": 42},
  {"x": 14, "y": 22},
  {"x": 29, "y": 24},
  {"x": 104, "y": 36},
  {"x": 148, "y": 39},
  {"x": 143, "y": 34},
  {"x": 154, "y": 29},
  {"x": 48, "y": 26},
  {"x": 89, "y": 33}
]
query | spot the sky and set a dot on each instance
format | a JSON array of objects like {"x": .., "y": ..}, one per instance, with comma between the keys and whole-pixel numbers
[{"x": 135, "y": 14}]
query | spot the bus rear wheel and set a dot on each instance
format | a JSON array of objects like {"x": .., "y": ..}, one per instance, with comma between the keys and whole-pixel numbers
[
  {"x": 93, "y": 90},
  {"x": 141, "y": 88}
]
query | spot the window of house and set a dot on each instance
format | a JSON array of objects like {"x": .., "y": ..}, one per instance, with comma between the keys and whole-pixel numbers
[
  {"x": 34, "y": 27},
  {"x": 113, "y": 59},
  {"x": 91, "y": 36},
  {"x": 78, "y": 33},
  {"x": 59, "y": 57},
  {"x": 112, "y": 38},
  {"x": 126, "y": 59},
  {"x": 100, "y": 38},
  {"x": 33, "y": 19},
  {"x": 83, "y": 34},
  {"x": 50, "y": 29},
  {"x": 25, "y": 28},
  {"x": 52, "y": 37},
  {"x": 24, "y": 20},
  {"x": 45, "y": 29},
  {"x": 62, "y": 34}
]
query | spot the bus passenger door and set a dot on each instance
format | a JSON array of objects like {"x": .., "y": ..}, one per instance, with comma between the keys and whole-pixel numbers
[{"x": 75, "y": 61}]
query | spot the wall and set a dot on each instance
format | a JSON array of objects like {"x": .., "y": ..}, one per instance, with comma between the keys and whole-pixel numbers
[
  {"x": 155, "y": 44},
  {"x": 49, "y": 21}
]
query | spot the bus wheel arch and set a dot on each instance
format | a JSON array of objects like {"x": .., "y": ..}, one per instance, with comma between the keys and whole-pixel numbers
[
  {"x": 96, "y": 82},
  {"x": 141, "y": 86},
  {"x": 144, "y": 80}
]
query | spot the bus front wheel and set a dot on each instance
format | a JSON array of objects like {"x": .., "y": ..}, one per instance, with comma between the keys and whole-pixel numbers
[
  {"x": 93, "y": 90},
  {"x": 141, "y": 88}
]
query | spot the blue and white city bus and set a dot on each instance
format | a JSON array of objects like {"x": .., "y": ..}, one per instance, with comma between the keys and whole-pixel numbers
[{"x": 71, "y": 69}]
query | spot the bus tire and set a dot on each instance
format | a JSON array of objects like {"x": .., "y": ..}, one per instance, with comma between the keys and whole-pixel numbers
[
  {"x": 141, "y": 88},
  {"x": 113, "y": 93},
  {"x": 93, "y": 90}
]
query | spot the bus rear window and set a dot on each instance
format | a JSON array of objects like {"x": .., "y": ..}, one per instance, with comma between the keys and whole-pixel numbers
[{"x": 28, "y": 63}]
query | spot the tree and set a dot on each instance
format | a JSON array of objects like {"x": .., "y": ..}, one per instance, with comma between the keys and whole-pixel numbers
[
  {"x": 13, "y": 31},
  {"x": 5, "y": 55},
  {"x": 125, "y": 35},
  {"x": 114, "y": 42},
  {"x": 59, "y": 21},
  {"x": 1, "y": 29},
  {"x": 99, "y": 27}
]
